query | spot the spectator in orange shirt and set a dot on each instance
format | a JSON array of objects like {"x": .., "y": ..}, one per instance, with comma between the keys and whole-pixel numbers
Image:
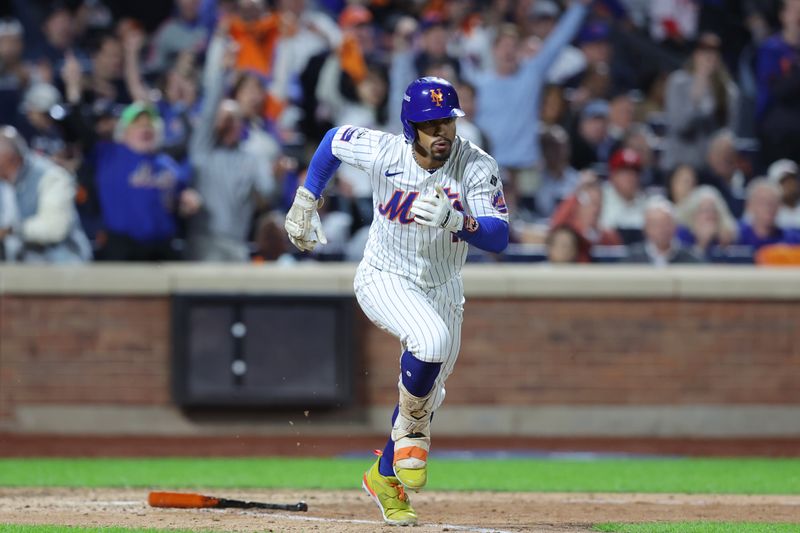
[{"x": 257, "y": 32}]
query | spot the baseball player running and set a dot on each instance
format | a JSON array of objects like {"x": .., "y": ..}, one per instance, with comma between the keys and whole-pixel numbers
[{"x": 433, "y": 194}]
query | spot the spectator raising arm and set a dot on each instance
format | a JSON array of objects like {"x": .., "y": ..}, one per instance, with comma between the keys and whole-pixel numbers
[
  {"x": 202, "y": 140},
  {"x": 401, "y": 70},
  {"x": 508, "y": 99},
  {"x": 132, "y": 44},
  {"x": 72, "y": 75},
  {"x": 78, "y": 119},
  {"x": 536, "y": 68},
  {"x": 230, "y": 180}
]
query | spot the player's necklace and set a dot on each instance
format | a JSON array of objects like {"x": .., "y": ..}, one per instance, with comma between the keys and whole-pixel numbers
[{"x": 414, "y": 155}]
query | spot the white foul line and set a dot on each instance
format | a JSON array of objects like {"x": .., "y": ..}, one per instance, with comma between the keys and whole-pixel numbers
[{"x": 452, "y": 527}]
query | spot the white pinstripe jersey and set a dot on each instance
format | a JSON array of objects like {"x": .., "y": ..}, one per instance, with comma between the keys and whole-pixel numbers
[{"x": 425, "y": 255}]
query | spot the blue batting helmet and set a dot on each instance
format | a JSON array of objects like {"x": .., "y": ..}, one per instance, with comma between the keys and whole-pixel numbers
[{"x": 428, "y": 99}]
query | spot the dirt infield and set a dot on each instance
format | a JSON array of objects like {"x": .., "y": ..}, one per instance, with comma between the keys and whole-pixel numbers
[{"x": 352, "y": 511}]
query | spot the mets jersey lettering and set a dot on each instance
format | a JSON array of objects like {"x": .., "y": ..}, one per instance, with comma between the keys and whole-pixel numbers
[
  {"x": 427, "y": 256},
  {"x": 398, "y": 208},
  {"x": 454, "y": 196}
]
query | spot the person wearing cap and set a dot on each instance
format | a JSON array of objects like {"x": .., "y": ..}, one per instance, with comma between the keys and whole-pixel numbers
[
  {"x": 784, "y": 173},
  {"x": 230, "y": 180},
  {"x": 594, "y": 42},
  {"x": 351, "y": 87},
  {"x": 594, "y": 81},
  {"x": 660, "y": 246},
  {"x": 37, "y": 125},
  {"x": 359, "y": 40},
  {"x": 590, "y": 142},
  {"x": 700, "y": 99},
  {"x": 758, "y": 227},
  {"x": 350, "y": 95},
  {"x": 47, "y": 223},
  {"x": 623, "y": 200},
  {"x": 604, "y": 72},
  {"x": 141, "y": 190},
  {"x": 642, "y": 140},
  {"x": 542, "y": 19},
  {"x": 179, "y": 101},
  {"x": 509, "y": 97},
  {"x": 345, "y": 79},
  {"x": 673, "y": 23}
]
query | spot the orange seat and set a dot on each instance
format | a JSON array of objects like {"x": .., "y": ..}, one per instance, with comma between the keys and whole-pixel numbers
[{"x": 778, "y": 255}]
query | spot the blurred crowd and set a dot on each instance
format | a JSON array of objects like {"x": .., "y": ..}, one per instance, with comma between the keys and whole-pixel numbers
[{"x": 626, "y": 130}]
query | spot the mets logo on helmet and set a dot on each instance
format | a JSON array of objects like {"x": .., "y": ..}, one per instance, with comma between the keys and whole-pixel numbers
[{"x": 436, "y": 97}]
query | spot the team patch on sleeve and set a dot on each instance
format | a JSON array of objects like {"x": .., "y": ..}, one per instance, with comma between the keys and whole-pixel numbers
[
  {"x": 349, "y": 132},
  {"x": 499, "y": 202}
]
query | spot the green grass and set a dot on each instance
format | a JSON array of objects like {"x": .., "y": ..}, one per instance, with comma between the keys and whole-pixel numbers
[
  {"x": 722, "y": 476},
  {"x": 699, "y": 527},
  {"x": 12, "y": 528}
]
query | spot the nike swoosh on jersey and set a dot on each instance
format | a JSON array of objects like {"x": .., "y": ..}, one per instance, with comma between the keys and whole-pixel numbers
[{"x": 390, "y": 174}]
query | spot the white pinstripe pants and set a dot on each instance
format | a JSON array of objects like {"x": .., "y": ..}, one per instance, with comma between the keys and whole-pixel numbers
[{"x": 427, "y": 321}]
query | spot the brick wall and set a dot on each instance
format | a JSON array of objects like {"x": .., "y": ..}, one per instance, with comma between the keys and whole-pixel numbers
[
  {"x": 83, "y": 350},
  {"x": 115, "y": 350},
  {"x": 523, "y": 352}
]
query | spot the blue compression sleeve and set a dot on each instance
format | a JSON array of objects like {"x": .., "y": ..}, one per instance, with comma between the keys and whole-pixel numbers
[
  {"x": 323, "y": 165},
  {"x": 418, "y": 376},
  {"x": 491, "y": 235}
]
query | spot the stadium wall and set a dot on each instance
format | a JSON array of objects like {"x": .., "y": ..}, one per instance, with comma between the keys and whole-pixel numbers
[{"x": 575, "y": 351}]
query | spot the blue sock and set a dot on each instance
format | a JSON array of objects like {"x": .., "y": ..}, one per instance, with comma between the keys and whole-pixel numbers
[
  {"x": 418, "y": 376},
  {"x": 387, "y": 459}
]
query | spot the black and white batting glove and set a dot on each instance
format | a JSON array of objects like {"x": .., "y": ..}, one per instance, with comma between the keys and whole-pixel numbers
[
  {"x": 434, "y": 209},
  {"x": 302, "y": 221}
]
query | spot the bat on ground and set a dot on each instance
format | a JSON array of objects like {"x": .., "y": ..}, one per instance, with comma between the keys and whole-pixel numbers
[{"x": 186, "y": 500}]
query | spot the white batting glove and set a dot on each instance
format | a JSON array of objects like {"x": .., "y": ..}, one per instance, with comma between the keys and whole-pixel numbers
[
  {"x": 435, "y": 209},
  {"x": 302, "y": 221}
]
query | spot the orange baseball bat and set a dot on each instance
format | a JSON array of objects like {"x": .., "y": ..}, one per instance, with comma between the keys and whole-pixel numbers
[{"x": 188, "y": 500}]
